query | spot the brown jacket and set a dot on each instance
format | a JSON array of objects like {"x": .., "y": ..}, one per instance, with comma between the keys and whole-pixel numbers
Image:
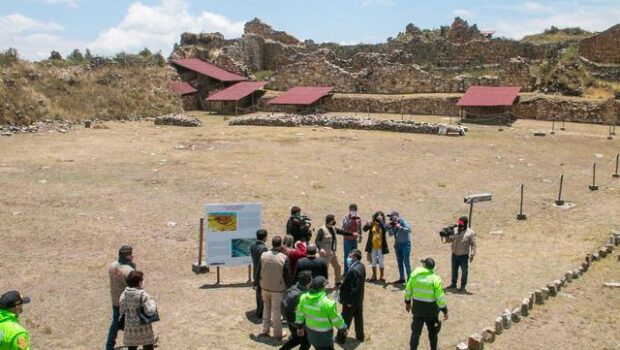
[
  {"x": 117, "y": 273},
  {"x": 274, "y": 273},
  {"x": 463, "y": 243}
]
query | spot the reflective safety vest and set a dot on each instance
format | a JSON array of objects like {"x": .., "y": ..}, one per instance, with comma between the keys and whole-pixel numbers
[
  {"x": 12, "y": 335},
  {"x": 424, "y": 288},
  {"x": 318, "y": 313}
]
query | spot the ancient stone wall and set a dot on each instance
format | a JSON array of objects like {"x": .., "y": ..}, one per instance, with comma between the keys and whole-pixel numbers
[
  {"x": 530, "y": 106},
  {"x": 260, "y": 29},
  {"x": 602, "y": 48},
  {"x": 609, "y": 72}
]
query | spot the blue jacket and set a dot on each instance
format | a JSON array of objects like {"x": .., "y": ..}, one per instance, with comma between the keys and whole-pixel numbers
[{"x": 403, "y": 234}]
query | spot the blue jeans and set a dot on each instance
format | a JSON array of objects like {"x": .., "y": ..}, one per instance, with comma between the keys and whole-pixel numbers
[
  {"x": 348, "y": 247},
  {"x": 403, "y": 253},
  {"x": 109, "y": 345},
  {"x": 461, "y": 261}
]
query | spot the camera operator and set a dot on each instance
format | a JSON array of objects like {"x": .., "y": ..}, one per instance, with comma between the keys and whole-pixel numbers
[
  {"x": 298, "y": 225},
  {"x": 327, "y": 243},
  {"x": 463, "y": 251},
  {"x": 401, "y": 230}
]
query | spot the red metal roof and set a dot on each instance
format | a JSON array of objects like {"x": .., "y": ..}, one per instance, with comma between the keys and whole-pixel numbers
[
  {"x": 182, "y": 88},
  {"x": 206, "y": 68},
  {"x": 302, "y": 95},
  {"x": 489, "y": 96},
  {"x": 237, "y": 91}
]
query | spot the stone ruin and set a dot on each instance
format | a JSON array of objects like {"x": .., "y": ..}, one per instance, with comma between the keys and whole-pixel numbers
[
  {"x": 350, "y": 122},
  {"x": 178, "y": 120}
]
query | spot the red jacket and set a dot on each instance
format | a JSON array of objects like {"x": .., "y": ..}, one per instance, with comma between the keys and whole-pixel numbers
[{"x": 296, "y": 254}]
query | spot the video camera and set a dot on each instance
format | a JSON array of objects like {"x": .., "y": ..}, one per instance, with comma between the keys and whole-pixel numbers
[
  {"x": 303, "y": 220},
  {"x": 447, "y": 231}
]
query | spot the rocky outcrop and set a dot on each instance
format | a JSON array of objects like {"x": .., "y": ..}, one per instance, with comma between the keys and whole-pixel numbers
[
  {"x": 602, "y": 48},
  {"x": 350, "y": 122},
  {"x": 258, "y": 28},
  {"x": 461, "y": 32}
]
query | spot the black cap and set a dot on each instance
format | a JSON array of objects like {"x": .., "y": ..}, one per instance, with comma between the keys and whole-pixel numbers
[
  {"x": 11, "y": 299},
  {"x": 429, "y": 263},
  {"x": 393, "y": 213},
  {"x": 318, "y": 283}
]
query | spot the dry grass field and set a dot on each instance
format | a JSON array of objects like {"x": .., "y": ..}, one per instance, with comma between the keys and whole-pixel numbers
[{"x": 68, "y": 201}]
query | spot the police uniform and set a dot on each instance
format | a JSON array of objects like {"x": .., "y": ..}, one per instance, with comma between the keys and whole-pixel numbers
[
  {"x": 12, "y": 335},
  {"x": 426, "y": 298}
]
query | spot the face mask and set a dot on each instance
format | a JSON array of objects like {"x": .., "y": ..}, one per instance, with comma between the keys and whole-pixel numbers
[
  {"x": 349, "y": 261},
  {"x": 353, "y": 213}
]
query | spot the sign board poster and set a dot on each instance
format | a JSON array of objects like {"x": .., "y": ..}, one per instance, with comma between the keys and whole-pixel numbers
[{"x": 230, "y": 232}]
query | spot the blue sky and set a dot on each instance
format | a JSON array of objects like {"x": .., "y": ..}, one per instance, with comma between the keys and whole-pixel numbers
[{"x": 35, "y": 27}]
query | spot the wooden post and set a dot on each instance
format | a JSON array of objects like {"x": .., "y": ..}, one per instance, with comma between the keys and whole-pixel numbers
[
  {"x": 218, "y": 275},
  {"x": 521, "y": 216},
  {"x": 616, "y": 175},
  {"x": 563, "y": 128},
  {"x": 593, "y": 187},
  {"x": 609, "y": 137},
  {"x": 471, "y": 211},
  {"x": 552, "y": 128},
  {"x": 199, "y": 266},
  {"x": 560, "y": 201},
  {"x": 249, "y": 273}
]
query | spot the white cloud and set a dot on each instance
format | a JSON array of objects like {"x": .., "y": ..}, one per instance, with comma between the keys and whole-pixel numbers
[
  {"x": 463, "y": 13},
  {"x": 70, "y": 3},
  {"x": 33, "y": 39},
  {"x": 366, "y": 3},
  {"x": 593, "y": 18},
  {"x": 159, "y": 26}
]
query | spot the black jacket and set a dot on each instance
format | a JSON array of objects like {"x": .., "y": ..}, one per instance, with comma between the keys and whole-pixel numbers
[
  {"x": 352, "y": 289},
  {"x": 317, "y": 265},
  {"x": 256, "y": 250},
  {"x": 384, "y": 244},
  {"x": 290, "y": 299},
  {"x": 295, "y": 230}
]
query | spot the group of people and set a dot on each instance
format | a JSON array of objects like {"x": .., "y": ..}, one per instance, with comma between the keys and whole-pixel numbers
[
  {"x": 291, "y": 281},
  {"x": 291, "y": 278}
]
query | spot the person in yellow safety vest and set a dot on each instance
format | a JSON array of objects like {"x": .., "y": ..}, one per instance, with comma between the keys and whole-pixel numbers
[
  {"x": 12, "y": 335},
  {"x": 318, "y": 315},
  {"x": 424, "y": 288}
]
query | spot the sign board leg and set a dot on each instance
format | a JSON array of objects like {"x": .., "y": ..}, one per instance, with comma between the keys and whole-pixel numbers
[{"x": 199, "y": 266}]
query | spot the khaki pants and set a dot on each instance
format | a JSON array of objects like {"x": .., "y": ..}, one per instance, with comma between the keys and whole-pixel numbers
[
  {"x": 272, "y": 313},
  {"x": 333, "y": 261}
]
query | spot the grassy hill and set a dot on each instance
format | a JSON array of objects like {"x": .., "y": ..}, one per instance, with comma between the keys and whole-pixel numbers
[
  {"x": 60, "y": 89},
  {"x": 555, "y": 35}
]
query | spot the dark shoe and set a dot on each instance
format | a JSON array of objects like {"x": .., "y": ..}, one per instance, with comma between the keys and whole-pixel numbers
[
  {"x": 462, "y": 290},
  {"x": 360, "y": 339},
  {"x": 452, "y": 286},
  {"x": 398, "y": 282}
]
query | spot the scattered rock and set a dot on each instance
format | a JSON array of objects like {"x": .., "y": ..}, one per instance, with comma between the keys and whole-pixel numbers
[
  {"x": 179, "y": 147},
  {"x": 540, "y": 299},
  {"x": 488, "y": 335},
  {"x": 462, "y": 346},
  {"x": 42, "y": 181},
  {"x": 475, "y": 342},
  {"x": 178, "y": 120},
  {"x": 514, "y": 315},
  {"x": 525, "y": 310},
  {"x": 598, "y": 155},
  {"x": 171, "y": 224},
  {"x": 611, "y": 285},
  {"x": 499, "y": 325}
]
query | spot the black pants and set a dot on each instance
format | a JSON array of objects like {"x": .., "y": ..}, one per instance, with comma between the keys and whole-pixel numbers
[
  {"x": 259, "y": 303},
  {"x": 432, "y": 324},
  {"x": 295, "y": 340},
  {"x": 354, "y": 313},
  {"x": 144, "y": 347},
  {"x": 461, "y": 261},
  {"x": 325, "y": 348}
]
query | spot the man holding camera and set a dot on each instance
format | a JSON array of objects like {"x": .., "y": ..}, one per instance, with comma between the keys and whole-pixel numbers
[
  {"x": 463, "y": 251},
  {"x": 298, "y": 225},
  {"x": 400, "y": 229}
]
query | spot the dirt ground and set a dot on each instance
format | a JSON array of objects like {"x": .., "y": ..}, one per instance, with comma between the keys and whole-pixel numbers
[{"x": 68, "y": 201}]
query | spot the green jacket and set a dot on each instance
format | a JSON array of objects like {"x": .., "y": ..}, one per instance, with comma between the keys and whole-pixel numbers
[
  {"x": 424, "y": 288},
  {"x": 12, "y": 335},
  {"x": 318, "y": 313}
]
